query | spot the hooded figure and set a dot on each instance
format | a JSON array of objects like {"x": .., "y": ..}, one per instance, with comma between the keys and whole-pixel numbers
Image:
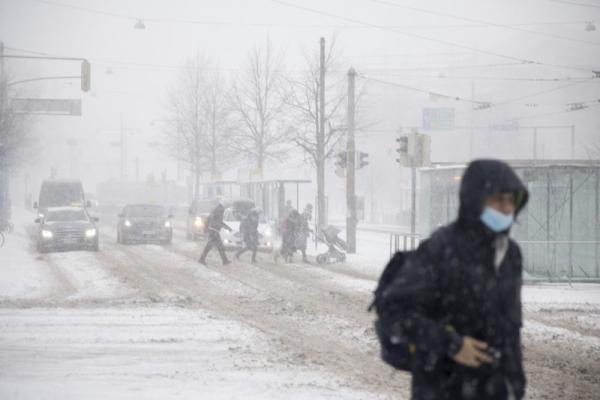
[
  {"x": 249, "y": 231},
  {"x": 215, "y": 224},
  {"x": 457, "y": 300}
]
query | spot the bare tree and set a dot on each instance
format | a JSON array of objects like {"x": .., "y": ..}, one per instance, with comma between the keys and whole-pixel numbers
[
  {"x": 592, "y": 149},
  {"x": 304, "y": 102},
  {"x": 199, "y": 123},
  {"x": 14, "y": 130},
  {"x": 259, "y": 99}
]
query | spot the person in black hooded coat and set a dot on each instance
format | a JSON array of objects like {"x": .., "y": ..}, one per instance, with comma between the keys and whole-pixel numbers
[{"x": 457, "y": 299}]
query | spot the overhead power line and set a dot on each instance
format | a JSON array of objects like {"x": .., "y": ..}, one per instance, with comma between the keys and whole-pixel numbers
[
  {"x": 426, "y": 38},
  {"x": 481, "y": 105},
  {"x": 280, "y": 25},
  {"x": 479, "y": 21},
  {"x": 576, "y": 4}
]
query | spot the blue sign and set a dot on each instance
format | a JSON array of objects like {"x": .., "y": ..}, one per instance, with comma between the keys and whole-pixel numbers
[{"x": 438, "y": 119}]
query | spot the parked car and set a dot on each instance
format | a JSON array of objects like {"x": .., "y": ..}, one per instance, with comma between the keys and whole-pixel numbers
[
  {"x": 197, "y": 218},
  {"x": 144, "y": 223},
  {"x": 233, "y": 216},
  {"x": 66, "y": 228}
]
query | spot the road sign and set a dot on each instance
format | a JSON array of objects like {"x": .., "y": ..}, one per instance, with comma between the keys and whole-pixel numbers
[
  {"x": 86, "y": 76},
  {"x": 505, "y": 127},
  {"x": 47, "y": 106},
  {"x": 438, "y": 119}
]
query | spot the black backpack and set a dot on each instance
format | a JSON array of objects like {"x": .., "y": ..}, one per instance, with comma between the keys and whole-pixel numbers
[{"x": 394, "y": 348}]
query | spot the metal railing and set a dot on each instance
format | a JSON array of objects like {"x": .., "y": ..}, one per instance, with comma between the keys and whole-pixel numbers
[
  {"x": 403, "y": 242},
  {"x": 562, "y": 258}
]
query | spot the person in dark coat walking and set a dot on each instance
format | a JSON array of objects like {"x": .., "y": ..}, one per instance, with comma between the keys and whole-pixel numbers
[
  {"x": 215, "y": 224},
  {"x": 289, "y": 230},
  {"x": 249, "y": 231},
  {"x": 457, "y": 300}
]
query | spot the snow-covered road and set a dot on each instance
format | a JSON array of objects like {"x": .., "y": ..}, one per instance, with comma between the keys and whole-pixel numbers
[{"x": 150, "y": 322}]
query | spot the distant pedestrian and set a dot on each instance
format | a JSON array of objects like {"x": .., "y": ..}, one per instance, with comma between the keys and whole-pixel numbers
[
  {"x": 249, "y": 231},
  {"x": 456, "y": 302},
  {"x": 289, "y": 229},
  {"x": 215, "y": 224},
  {"x": 303, "y": 231},
  {"x": 287, "y": 209}
]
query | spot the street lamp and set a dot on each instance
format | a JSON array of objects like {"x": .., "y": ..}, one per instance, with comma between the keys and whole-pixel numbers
[
  {"x": 590, "y": 27},
  {"x": 139, "y": 24}
]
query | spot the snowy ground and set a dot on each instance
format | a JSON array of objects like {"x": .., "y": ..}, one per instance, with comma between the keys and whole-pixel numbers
[{"x": 149, "y": 322}]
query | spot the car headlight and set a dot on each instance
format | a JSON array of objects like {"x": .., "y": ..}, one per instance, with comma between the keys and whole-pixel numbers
[
  {"x": 167, "y": 224},
  {"x": 47, "y": 234},
  {"x": 268, "y": 232},
  {"x": 90, "y": 233},
  {"x": 127, "y": 223},
  {"x": 199, "y": 223}
]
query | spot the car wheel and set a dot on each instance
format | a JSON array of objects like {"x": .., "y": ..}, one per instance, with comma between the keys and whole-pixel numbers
[
  {"x": 96, "y": 246},
  {"x": 321, "y": 259}
]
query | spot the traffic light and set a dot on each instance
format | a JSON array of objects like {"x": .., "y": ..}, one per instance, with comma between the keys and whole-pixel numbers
[
  {"x": 86, "y": 77},
  {"x": 424, "y": 156},
  {"x": 402, "y": 150},
  {"x": 362, "y": 160},
  {"x": 341, "y": 159}
]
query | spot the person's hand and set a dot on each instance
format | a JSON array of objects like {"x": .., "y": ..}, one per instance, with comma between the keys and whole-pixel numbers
[{"x": 472, "y": 353}]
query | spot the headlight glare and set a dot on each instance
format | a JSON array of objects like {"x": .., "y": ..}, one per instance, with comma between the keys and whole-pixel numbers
[
  {"x": 127, "y": 223},
  {"x": 47, "y": 234},
  {"x": 90, "y": 233}
]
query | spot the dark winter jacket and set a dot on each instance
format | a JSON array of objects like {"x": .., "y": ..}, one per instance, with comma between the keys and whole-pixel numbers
[
  {"x": 215, "y": 219},
  {"x": 450, "y": 288},
  {"x": 249, "y": 228}
]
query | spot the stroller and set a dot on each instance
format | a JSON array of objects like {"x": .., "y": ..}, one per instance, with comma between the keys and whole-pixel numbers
[{"x": 336, "y": 246}]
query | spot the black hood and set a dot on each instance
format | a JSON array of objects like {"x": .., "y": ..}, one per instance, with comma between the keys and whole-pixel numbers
[{"x": 484, "y": 178}]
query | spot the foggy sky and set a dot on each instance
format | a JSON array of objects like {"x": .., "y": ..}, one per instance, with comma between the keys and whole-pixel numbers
[{"x": 144, "y": 64}]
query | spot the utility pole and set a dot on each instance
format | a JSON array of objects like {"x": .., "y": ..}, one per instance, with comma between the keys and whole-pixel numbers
[
  {"x": 572, "y": 142},
  {"x": 351, "y": 169},
  {"x": 535, "y": 144},
  {"x": 413, "y": 188},
  {"x": 3, "y": 80},
  {"x": 471, "y": 133},
  {"x": 321, "y": 212},
  {"x": 123, "y": 153}
]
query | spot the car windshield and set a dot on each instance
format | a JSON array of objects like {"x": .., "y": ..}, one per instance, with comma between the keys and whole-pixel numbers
[
  {"x": 233, "y": 215},
  {"x": 66, "y": 215},
  {"x": 145, "y": 211}
]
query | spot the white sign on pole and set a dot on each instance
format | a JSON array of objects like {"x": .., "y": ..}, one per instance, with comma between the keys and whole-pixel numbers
[{"x": 47, "y": 106}]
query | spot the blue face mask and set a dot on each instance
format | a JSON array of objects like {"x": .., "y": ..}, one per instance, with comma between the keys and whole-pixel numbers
[{"x": 496, "y": 220}]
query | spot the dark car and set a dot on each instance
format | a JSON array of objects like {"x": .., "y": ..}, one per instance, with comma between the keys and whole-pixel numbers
[
  {"x": 144, "y": 223},
  {"x": 67, "y": 228},
  {"x": 197, "y": 219}
]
